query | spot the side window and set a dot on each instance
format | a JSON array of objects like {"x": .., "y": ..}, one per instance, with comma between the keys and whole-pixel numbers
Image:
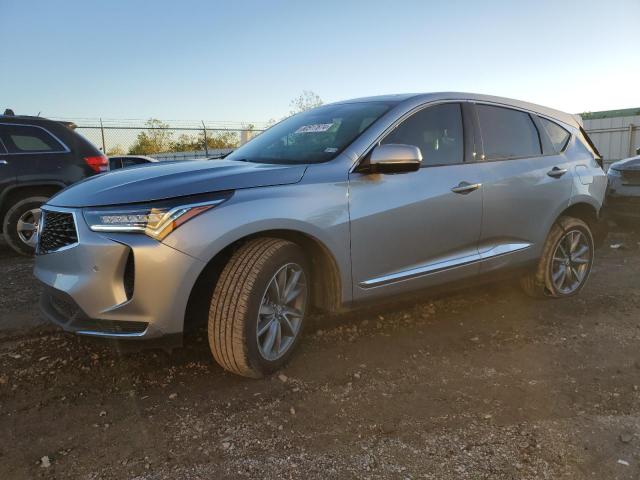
[
  {"x": 127, "y": 162},
  {"x": 437, "y": 131},
  {"x": 507, "y": 133},
  {"x": 559, "y": 136},
  {"x": 28, "y": 139}
]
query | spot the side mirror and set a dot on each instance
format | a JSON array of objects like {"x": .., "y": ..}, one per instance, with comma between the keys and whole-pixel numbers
[{"x": 395, "y": 158}]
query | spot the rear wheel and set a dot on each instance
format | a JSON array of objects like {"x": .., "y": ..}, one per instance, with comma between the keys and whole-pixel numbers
[
  {"x": 21, "y": 223},
  {"x": 258, "y": 307},
  {"x": 566, "y": 261}
]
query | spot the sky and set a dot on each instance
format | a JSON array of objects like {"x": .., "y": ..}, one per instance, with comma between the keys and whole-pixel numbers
[{"x": 244, "y": 61}]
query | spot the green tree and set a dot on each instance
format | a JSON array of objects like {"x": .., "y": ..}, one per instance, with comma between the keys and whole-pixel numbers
[
  {"x": 188, "y": 143},
  {"x": 215, "y": 139},
  {"x": 116, "y": 150},
  {"x": 222, "y": 139},
  {"x": 157, "y": 138}
]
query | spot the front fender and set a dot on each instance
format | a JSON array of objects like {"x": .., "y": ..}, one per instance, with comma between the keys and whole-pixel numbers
[{"x": 319, "y": 211}]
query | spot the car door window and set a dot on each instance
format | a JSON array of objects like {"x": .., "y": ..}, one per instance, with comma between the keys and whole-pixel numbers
[
  {"x": 29, "y": 139},
  {"x": 559, "y": 136},
  {"x": 437, "y": 131},
  {"x": 507, "y": 133},
  {"x": 128, "y": 162}
]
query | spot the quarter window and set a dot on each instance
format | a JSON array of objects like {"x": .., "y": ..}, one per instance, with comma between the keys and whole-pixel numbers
[
  {"x": 437, "y": 131},
  {"x": 558, "y": 135},
  {"x": 507, "y": 133},
  {"x": 28, "y": 139}
]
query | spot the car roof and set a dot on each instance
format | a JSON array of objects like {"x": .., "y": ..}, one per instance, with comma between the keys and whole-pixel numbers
[
  {"x": 573, "y": 120},
  {"x": 33, "y": 120}
]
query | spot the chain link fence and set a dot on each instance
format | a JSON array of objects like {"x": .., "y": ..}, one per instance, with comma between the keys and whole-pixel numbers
[
  {"x": 188, "y": 140},
  {"x": 165, "y": 140}
]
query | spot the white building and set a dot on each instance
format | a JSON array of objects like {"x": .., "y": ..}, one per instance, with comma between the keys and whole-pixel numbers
[{"x": 614, "y": 132}]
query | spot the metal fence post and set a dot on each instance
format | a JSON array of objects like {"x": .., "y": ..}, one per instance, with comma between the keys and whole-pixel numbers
[
  {"x": 206, "y": 143},
  {"x": 104, "y": 147}
]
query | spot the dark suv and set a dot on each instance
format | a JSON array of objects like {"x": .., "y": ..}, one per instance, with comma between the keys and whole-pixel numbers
[{"x": 38, "y": 157}]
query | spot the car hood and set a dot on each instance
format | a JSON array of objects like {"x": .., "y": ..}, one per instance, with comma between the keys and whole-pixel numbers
[
  {"x": 162, "y": 181},
  {"x": 632, "y": 163}
]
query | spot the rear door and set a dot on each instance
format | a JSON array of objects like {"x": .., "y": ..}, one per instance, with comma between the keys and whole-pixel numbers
[
  {"x": 526, "y": 184},
  {"x": 7, "y": 168},
  {"x": 35, "y": 154}
]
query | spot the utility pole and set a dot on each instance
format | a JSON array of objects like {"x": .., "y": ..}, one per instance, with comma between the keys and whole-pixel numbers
[
  {"x": 206, "y": 143},
  {"x": 104, "y": 147}
]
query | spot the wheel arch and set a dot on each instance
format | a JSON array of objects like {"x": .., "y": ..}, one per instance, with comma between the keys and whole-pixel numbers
[
  {"x": 326, "y": 280},
  {"x": 24, "y": 190},
  {"x": 589, "y": 213}
]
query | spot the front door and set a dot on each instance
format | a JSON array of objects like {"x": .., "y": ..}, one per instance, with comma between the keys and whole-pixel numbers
[{"x": 413, "y": 230}]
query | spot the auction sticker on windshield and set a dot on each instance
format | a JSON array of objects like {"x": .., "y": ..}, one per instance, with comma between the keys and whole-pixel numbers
[{"x": 315, "y": 128}]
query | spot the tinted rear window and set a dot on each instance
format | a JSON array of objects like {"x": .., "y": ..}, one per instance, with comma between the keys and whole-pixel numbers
[
  {"x": 559, "y": 136},
  {"x": 507, "y": 133},
  {"x": 28, "y": 139}
]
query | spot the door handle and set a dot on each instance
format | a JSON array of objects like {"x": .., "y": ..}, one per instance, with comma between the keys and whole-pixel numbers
[
  {"x": 3, "y": 162},
  {"x": 556, "y": 172},
  {"x": 466, "y": 187}
]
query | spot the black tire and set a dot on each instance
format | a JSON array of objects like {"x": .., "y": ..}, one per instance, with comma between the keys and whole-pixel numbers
[
  {"x": 237, "y": 300},
  {"x": 539, "y": 283},
  {"x": 10, "y": 224}
]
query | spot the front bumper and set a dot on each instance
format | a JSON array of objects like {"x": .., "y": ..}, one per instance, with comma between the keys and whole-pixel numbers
[{"x": 116, "y": 285}]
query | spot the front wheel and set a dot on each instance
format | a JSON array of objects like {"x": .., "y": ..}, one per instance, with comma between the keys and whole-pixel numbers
[
  {"x": 20, "y": 224},
  {"x": 258, "y": 307},
  {"x": 566, "y": 261}
]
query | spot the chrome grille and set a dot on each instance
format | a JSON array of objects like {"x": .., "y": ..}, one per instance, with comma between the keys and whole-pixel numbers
[{"x": 57, "y": 230}]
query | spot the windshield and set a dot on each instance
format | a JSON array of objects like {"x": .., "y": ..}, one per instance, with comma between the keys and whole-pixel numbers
[{"x": 314, "y": 136}]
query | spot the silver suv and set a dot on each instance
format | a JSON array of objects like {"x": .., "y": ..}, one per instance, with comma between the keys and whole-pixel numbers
[{"x": 347, "y": 204}]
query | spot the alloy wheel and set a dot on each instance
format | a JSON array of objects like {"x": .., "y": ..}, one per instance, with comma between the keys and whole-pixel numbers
[
  {"x": 27, "y": 226},
  {"x": 571, "y": 262},
  {"x": 281, "y": 311}
]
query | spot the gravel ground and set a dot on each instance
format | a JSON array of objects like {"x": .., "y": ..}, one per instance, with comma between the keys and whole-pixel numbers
[{"x": 484, "y": 383}]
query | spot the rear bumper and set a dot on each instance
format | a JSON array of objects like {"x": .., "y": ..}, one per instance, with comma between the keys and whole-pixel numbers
[{"x": 119, "y": 285}]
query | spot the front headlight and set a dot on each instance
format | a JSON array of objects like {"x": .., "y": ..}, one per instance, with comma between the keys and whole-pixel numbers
[
  {"x": 155, "y": 219},
  {"x": 612, "y": 172}
]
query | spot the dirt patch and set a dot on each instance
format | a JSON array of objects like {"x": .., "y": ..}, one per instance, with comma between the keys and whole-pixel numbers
[
  {"x": 481, "y": 384},
  {"x": 20, "y": 291}
]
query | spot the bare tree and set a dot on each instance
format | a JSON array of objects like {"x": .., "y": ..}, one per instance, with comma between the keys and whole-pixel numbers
[{"x": 305, "y": 101}]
